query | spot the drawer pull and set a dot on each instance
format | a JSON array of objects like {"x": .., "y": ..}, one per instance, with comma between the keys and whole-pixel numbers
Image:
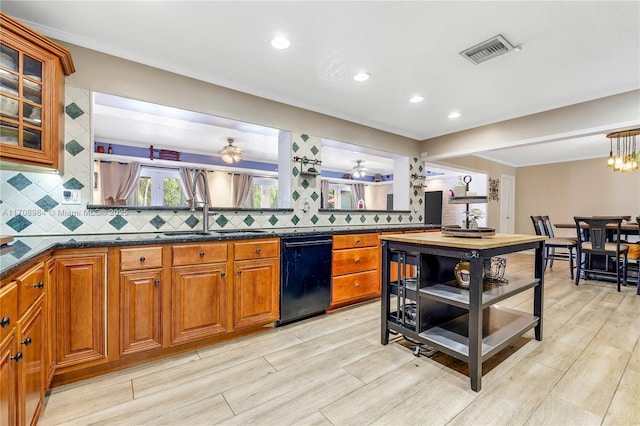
[
  {"x": 26, "y": 341},
  {"x": 39, "y": 285},
  {"x": 17, "y": 357},
  {"x": 156, "y": 282},
  {"x": 258, "y": 250},
  {"x": 357, "y": 241},
  {"x": 4, "y": 323},
  {"x": 223, "y": 275},
  {"x": 202, "y": 254},
  {"x": 239, "y": 272},
  {"x": 357, "y": 284},
  {"x": 142, "y": 259},
  {"x": 357, "y": 260}
]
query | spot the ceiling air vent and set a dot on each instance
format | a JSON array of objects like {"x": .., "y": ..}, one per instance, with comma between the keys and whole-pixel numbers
[{"x": 486, "y": 50}]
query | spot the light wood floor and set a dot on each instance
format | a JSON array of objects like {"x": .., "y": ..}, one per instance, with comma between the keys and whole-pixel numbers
[{"x": 332, "y": 370}]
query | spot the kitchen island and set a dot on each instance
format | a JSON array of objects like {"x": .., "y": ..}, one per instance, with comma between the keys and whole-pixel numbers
[{"x": 423, "y": 300}]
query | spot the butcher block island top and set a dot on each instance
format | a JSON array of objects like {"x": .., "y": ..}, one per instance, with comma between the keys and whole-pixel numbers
[{"x": 438, "y": 239}]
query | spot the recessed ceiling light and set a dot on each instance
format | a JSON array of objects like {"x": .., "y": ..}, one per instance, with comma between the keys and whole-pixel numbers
[
  {"x": 454, "y": 114},
  {"x": 416, "y": 99},
  {"x": 362, "y": 76},
  {"x": 280, "y": 42}
]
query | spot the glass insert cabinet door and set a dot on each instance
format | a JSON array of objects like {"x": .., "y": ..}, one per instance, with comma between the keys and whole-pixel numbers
[{"x": 21, "y": 94}]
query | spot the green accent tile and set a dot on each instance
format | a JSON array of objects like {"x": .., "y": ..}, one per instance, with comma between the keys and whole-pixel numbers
[
  {"x": 18, "y": 223},
  {"x": 249, "y": 220},
  {"x": 315, "y": 150},
  {"x": 73, "y": 147},
  {"x": 73, "y": 110},
  {"x": 191, "y": 221},
  {"x": 295, "y": 219},
  {"x": 420, "y": 168},
  {"x": 399, "y": 218},
  {"x": 295, "y": 195},
  {"x": 363, "y": 219},
  {"x": 332, "y": 219},
  {"x": 410, "y": 201},
  {"x": 273, "y": 220},
  {"x": 415, "y": 193},
  {"x": 348, "y": 219},
  {"x": 420, "y": 218},
  {"x": 388, "y": 218},
  {"x": 157, "y": 222},
  {"x": 304, "y": 184},
  {"x": 46, "y": 203},
  {"x": 222, "y": 221},
  {"x": 314, "y": 219},
  {"x": 73, "y": 183},
  {"x": 376, "y": 218},
  {"x": 118, "y": 222},
  {"x": 420, "y": 201},
  {"x": 295, "y": 147},
  {"x": 304, "y": 137},
  {"x": 295, "y": 171},
  {"x": 410, "y": 218},
  {"x": 19, "y": 249},
  {"x": 315, "y": 196},
  {"x": 72, "y": 223},
  {"x": 19, "y": 181}
]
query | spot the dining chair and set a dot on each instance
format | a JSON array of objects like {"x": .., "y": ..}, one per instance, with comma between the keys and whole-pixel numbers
[
  {"x": 566, "y": 246},
  {"x": 600, "y": 240}
]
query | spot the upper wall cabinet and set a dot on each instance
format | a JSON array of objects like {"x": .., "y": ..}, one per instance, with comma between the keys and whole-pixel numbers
[{"x": 32, "y": 70}]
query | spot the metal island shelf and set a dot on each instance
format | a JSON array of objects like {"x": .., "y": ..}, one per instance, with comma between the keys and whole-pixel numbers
[{"x": 421, "y": 298}]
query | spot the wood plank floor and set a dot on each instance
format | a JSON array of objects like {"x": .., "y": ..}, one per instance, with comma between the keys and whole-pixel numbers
[{"x": 332, "y": 370}]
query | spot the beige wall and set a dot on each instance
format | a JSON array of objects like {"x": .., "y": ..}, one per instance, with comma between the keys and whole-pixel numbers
[
  {"x": 109, "y": 74},
  {"x": 576, "y": 188}
]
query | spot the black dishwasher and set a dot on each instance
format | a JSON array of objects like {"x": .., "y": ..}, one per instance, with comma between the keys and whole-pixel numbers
[{"x": 305, "y": 277}]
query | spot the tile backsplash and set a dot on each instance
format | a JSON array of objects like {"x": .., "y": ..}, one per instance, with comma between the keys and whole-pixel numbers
[{"x": 38, "y": 203}]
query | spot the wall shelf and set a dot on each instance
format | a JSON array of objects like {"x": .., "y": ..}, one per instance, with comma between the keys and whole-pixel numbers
[{"x": 307, "y": 166}]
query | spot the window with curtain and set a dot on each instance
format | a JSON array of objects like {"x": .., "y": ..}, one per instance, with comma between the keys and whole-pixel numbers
[
  {"x": 264, "y": 193},
  {"x": 159, "y": 187}
]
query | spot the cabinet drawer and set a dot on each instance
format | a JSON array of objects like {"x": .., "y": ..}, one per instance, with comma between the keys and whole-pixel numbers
[
  {"x": 140, "y": 258},
  {"x": 355, "y": 260},
  {"x": 195, "y": 254},
  {"x": 256, "y": 249},
  {"x": 8, "y": 309},
  {"x": 355, "y": 240},
  {"x": 353, "y": 286},
  {"x": 30, "y": 286}
]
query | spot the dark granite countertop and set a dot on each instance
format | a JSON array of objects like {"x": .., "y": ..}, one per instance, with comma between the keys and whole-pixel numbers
[{"x": 25, "y": 248}]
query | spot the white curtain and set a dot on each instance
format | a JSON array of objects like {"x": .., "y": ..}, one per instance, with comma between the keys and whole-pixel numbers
[
  {"x": 242, "y": 185},
  {"x": 187, "y": 176},
  {"x": 118, "y": 181},
  {"x": 357, "y": 189},
  {"x": 324, "y": 191}
]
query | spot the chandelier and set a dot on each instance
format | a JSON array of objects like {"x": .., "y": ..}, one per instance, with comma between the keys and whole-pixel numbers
[
  {"x": 359, "y": 170},
  {"x": 231, "y": 154},
  {"x": 627, "y": 155}
]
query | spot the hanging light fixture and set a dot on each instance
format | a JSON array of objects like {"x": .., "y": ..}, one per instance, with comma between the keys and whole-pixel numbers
[
  {"x": 359, "y": 170},
  {"x": 627, "y": 156},
  {"x": 231, "y": 154}
]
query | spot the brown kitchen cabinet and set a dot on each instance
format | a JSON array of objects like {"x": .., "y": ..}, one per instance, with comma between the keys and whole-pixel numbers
[
  {"x": 8, "y": 354},
  {"x": 256, "y": 282},
  {"x": 355, "y": 268},
  {"x": 23, "y": 347},
  {"x": 198, "y": 291},
  {"x": 80, "y": 309},
  {"x": 141, "y": 292},
  {"x": 32, "y": 71}
]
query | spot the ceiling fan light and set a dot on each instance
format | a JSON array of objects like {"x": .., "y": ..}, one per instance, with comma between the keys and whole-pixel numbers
[
  {"x": 231, "y": 154},
  {"x": 359, "y": 171}
]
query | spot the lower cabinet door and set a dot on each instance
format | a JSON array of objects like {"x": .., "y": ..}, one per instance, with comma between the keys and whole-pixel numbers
[
  {"x": 32, "y": 366},
  {"x": 198, "y": 307},
  {"x": 140, "y": 311},
  {"x": 256, "y": 289},
  {"x": 80, "y": 309},
  {"x": 9, "y": 379}
]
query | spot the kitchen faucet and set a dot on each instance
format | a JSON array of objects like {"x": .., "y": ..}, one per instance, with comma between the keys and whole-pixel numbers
[{"x": 205, "y": 204}]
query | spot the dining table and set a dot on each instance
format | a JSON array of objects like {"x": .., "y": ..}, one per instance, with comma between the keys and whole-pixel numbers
[{"x": 626, "y": 228}]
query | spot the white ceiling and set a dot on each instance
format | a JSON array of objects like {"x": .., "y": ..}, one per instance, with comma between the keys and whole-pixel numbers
[{"x": 572, "y": 51}]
